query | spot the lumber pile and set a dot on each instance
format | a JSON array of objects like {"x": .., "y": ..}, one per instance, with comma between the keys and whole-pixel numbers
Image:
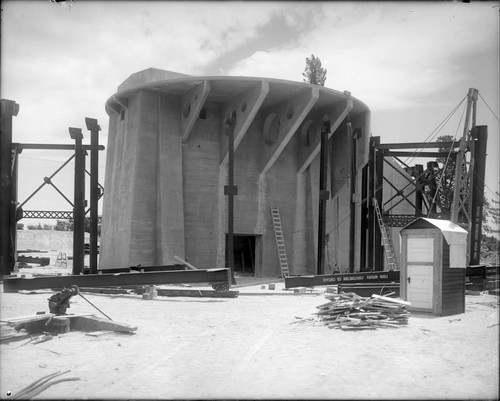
[{"x": 349, "y": 311}]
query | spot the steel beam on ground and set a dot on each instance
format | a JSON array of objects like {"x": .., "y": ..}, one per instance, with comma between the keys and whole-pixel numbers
[
  {"x": 211, "y": 276},
  {"x": 333, "y": 279}
]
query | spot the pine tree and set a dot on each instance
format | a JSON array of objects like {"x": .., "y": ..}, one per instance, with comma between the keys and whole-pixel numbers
[{"x": 314, "y": 73}]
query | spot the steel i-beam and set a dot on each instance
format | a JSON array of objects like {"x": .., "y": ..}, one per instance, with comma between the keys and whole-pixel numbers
[{"x": 211, "y": 276}]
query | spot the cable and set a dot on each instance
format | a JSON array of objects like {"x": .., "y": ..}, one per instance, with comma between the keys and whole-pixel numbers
[
  {"x": 492, "y": 112},
  {"x": 37, "y": 384},
  {"x": 94, "y": 306},
  {"x": 431, "y": 136},
  {"x": 443, "y": 170}
]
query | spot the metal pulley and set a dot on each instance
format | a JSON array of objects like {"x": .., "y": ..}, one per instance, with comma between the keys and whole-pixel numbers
[{"x": 59, "y": 302}]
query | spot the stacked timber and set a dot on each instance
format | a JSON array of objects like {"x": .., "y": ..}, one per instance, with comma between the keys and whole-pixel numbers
[{"x": 349, "y": 311}]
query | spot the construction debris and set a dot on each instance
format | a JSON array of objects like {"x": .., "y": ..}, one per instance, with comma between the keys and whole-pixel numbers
[
  {"x": 50, "y": 323},
  {"x": 349, "y": 311},
  {"x": 94, "y": 323}
]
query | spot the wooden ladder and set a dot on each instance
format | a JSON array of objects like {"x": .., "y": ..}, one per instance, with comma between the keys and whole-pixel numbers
[
  {"x": 388, "y": 248},
  {"x": 280, "y": 241}
]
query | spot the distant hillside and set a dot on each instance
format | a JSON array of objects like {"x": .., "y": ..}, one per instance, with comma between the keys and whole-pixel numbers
[{"x": 47, "y": 240}]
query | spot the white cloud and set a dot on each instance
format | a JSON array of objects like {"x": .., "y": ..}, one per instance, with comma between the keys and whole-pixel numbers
[{"x": 388, "y": 54}]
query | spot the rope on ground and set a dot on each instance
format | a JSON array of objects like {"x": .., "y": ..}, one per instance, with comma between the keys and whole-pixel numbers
[{"x": 42, "y": 384}]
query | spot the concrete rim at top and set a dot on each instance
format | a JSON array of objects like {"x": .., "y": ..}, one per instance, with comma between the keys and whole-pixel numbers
[{"x": 224, "y": 88}]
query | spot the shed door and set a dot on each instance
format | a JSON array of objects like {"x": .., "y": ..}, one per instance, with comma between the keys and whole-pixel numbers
[{"x": 420, "y": 272}]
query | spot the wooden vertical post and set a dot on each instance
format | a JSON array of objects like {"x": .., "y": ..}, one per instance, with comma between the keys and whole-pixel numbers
[
  {"x": 323, "y": 196},
  {"x": 372, "y": 222},
  {"x": 15, "y": 212},
  {"x": 94, "y": 129},
  {"x": 418, "y": 172},
  {"x": 9, "y": 109},
  {"x": 365, "y": 201},
  {"x": 231, "y": 190},
  {"x": 480, "y": 136},
  {"x": 352, "y": 198},
  {"x": 79, "y": 203},
  {"x": 379, "y": 191}
]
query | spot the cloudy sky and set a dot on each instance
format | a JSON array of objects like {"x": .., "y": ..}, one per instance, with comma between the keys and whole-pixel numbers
[{"x": 412, "y": 63}]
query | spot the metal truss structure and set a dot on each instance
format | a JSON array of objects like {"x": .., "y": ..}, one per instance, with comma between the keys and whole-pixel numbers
[
  {"x": 424, "y": 189},
  {"x": 11, "y": 210}
]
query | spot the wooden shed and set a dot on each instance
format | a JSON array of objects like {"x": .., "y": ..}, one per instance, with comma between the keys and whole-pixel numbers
[{"x": 433, "y": 262}]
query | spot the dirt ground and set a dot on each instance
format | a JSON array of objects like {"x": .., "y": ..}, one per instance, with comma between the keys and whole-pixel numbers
[{"x": 254, "y": 347}]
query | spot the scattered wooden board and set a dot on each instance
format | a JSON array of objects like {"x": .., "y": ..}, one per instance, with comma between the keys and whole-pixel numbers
[
  {"x": 97, "y": 333},
  {"x": 393, "y": 300},
  {"x": 349, "y": 311},
  {"x": 9, "y": 334}
]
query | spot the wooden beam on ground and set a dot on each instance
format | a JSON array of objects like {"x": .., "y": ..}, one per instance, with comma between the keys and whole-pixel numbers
[
  {"x": 190, "y": 266},
  {"x": 94, "y": 323}
]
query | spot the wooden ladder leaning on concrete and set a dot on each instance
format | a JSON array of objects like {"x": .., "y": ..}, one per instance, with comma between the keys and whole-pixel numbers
[
  {"x": 280, "y": 241},
  {"x": 388, "y": 248}
]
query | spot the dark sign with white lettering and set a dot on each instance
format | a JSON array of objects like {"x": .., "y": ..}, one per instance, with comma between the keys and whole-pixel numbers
[{"x": 330, "y": 279}]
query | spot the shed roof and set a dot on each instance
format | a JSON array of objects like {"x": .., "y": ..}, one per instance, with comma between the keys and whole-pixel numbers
[
  {"x": 446, "y": 226},
  {"x": 454, "y": 235}
]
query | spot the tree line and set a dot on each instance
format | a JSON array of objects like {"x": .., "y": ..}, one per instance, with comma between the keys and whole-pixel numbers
[{"x": 61, "y": 225}]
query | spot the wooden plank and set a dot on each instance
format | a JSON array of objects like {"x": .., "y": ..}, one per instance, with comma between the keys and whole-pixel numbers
[
  {"x": 93, "y": 323},
  {"x": 45, "y": 316},
  {"x": 23, "y": 319},
  {"x": 391, "y": 300},
  {"x": 97, "y": 333},
  {"x": 190, "y": 266}
]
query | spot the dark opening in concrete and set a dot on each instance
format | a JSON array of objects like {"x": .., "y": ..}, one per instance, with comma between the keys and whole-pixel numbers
[{"x": 244, "y": 254}]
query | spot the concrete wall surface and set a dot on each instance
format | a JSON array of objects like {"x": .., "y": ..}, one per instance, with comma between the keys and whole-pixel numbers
[{"x": 167, "y": 166}]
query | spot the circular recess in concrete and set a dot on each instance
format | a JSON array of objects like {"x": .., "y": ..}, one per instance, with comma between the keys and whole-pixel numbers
[
  {"x": 309, "y": 133},
  {"x": 186, "y": 110},
  {"x": 271, "y": 128}
]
